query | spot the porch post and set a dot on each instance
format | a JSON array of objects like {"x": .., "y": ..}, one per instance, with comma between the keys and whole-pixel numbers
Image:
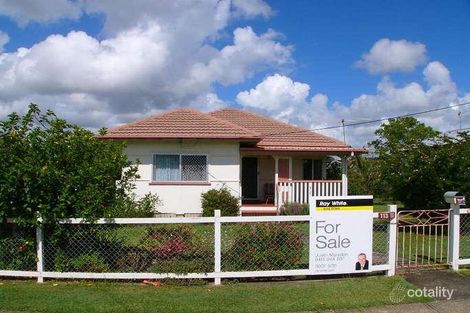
[
  {"x": 276, "y": 179},
  {"x": 240, "y": 197},
  {"x": 344, "y": 175},
  {"x": 290, "y": 167},
  {"x": 323, "y": 168}
]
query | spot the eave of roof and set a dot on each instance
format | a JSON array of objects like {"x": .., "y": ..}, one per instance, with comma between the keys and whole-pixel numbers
[
  {"x": 305, "y": 149},
  {"x": 160, "y": 138}
]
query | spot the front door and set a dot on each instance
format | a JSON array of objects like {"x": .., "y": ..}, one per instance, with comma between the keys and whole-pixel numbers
[
  {"x": 283, "y": 169},
  {"x": 249, "y": 178}
]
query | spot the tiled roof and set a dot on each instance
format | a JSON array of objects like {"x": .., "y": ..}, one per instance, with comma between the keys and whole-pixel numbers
[
  {"x": 259, "y": 123},
  {"x": 181, "y": 124},
  {"x": 281, "y": 136},
  {"x": 228, "y": 124}
]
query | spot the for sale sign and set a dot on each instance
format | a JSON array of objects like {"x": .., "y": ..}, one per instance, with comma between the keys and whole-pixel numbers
[{"x": 342, "y": 234}]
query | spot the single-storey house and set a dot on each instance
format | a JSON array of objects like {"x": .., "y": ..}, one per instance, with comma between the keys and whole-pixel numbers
[{"x": 264, "y": 162}]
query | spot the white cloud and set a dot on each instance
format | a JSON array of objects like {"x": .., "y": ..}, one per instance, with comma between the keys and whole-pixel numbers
[
  {"x": 191, "y": 21},
  {"x": 167, "y": 59},
  {"x": 272, "y": 94},
  {"x": 208, "y": 102},
  {"x": 4, "y": 39},
  {"x": 387, "y": 56},
  {"x": 281, "y": 97},
  {"x": 78, "y": 63},
  {"x": 251, "y": 8},
  {"x": 234, "y": 63},
  {"x": 25, "y": 11}
]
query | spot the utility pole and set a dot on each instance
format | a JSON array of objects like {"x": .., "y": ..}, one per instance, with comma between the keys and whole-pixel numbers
[
  {"x": 460, "y": 119},
  {"x": 344, "y": 131}
]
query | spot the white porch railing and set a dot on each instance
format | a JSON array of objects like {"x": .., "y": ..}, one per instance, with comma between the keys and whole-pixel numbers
[{"x": 299, "y": 191}]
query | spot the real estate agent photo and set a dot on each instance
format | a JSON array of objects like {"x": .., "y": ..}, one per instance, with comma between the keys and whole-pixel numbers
[{"x": 362, "y": 262}]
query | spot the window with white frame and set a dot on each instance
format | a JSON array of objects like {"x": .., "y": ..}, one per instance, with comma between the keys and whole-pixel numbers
[{"x": 179, "y": 167}]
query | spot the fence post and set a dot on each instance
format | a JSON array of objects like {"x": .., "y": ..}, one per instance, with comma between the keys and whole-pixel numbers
[
  {"x": 454, "y": 236},
  {"x": 344, "y": 176},
  {"x": 311, "y": 232},
  {"x": 40, "y": 249},
  {"x": 217, "y": 247},
  {"x": 392, "y": 240}
]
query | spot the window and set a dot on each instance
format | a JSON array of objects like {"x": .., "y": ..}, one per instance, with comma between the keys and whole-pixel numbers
[
  {"x": 193, "y": 168},
  {"x": 312, "y": 169},
  {"x": 175, "y": 167}
]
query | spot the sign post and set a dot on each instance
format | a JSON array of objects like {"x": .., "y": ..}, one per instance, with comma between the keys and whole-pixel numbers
[{"x": 341, "y": 234}]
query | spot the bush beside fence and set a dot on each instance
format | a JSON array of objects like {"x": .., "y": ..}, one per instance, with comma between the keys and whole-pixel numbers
[{"x": 200, "y": 247}]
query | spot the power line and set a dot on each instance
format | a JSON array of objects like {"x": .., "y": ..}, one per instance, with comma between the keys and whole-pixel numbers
[
  {"x": 397, "y": 116},
  {"x": 368, "y": 122},
  {"x": 457, "y": 130}
]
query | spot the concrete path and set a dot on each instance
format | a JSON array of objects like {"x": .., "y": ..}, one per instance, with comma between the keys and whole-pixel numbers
[{"x": 432, "y": 279}]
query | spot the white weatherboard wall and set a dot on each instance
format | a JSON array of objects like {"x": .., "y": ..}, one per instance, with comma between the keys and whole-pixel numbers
[{"x": 223, "y": 167}]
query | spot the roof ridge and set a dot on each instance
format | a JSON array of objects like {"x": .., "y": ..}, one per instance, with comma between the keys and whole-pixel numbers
[
  {"x": 262, "y": 116},
  {"x": 184, "y": 109},
  {"x": 208, "y": 114},
  {"x": 125, "y": 125},
  {"x": 281, "y": 132}
]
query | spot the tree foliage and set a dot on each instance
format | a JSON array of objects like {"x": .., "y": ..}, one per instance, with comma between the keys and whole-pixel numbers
[
  {"x": 417, "y": 164},
  {"x": 57, "y": 170},
  {"x": 364, "y": 178}
]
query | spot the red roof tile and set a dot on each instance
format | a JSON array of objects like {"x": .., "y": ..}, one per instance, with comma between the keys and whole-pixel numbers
[
  {"x": 181, "y": 124},
  {"x": 229, "y": 124},
  {"x": 281, "y": 136}
]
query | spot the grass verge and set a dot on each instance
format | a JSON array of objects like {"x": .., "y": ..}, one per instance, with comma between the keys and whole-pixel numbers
[
  {"x": 465, "y": 271},
  {"x": 350, "y": 293}
]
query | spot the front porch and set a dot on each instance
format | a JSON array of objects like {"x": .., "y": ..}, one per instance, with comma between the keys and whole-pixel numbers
[{"x": 270, "y": 181}]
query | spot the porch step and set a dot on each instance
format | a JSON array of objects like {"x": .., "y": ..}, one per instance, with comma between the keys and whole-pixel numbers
[{"x": 257, "y": 210}]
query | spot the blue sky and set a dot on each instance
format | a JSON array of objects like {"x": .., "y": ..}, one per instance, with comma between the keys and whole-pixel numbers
[
  {"x": 329, "y": 36},
  {"x": 299, "y": 61}
]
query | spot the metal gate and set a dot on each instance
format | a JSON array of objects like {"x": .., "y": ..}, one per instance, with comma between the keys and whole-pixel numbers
[{"x": 422, "y": 238}]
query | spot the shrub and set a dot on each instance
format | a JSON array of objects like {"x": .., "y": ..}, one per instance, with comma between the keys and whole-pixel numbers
[
  {"x": 265, "y": 246},
  {"x": 17, "y": 254},
  {"x": 89, "y": 263},
  {"x": 134, "y": 261},
  {"x": 293, "y": 208},
  {"x": 132, "y": 207},
  {"x": 178, "y": 249},
  {"x": 69, "y": 246},
  {"x": 221, "y": 200}
]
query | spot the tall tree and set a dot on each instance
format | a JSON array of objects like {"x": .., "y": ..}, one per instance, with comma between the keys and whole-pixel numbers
[
  {"x": 419, "y": 164},
  {"x": 364, "y": 178},
  {"x": 57, "y": 170}
]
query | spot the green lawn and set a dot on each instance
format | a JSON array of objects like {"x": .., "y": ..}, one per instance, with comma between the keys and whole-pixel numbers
[
  {"x": 380, "y": 205},
  {"x": 465, "y": 271},
  {"x": 422, "y": 248},
  {"x": 27, "y": 296}
]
